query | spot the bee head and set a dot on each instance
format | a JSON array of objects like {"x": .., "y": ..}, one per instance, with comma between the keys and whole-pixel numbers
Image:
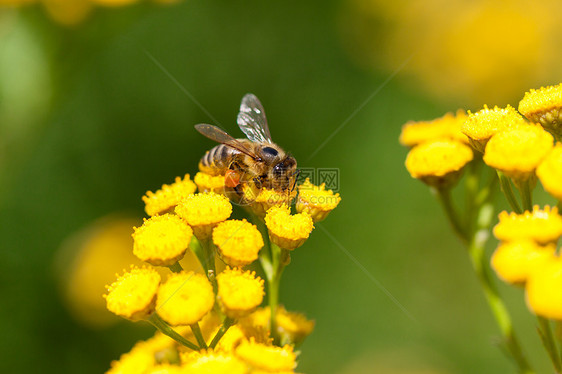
[{"x": 285, "y": 173}]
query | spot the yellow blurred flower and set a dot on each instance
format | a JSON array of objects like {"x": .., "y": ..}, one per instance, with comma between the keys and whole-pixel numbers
[
  {"x": 543, "y": 226},
  {"x": 68, "y": 12},
  {"x": 446, "y": 127},
  {"x": 203, "y": 211},
  {"x": 133, "y": 294},
  {"x": 239, "y": 292},
  {"x": 266, "y": 357},
  {"x": 209, "y": 183},
  {"x": 238, "y": 242},
  {"x": 550, "y": 172},
  {"x": 209, "y": 362},
  {"x": 166, "y": 198},
  {"x": 292, "y": 327},
  {"x": 544, "y": 106},
  {"x": 286, "y": 230},
  {"x": 185, "y": 298},
  {"x": 438, "y": 163},
  {"x": 162, "y": 240},
  {"x": 316, "y": 200},
  {"x": 543, "y": 290},
  {"x": 515, "y": 261},
  {"x": 518, "y": 151}
]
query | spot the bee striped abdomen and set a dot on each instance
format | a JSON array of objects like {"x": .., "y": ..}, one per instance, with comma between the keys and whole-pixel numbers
[{"x": 217, "y": 160}]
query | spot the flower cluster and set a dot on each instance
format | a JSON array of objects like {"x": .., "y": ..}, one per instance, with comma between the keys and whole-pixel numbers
[
  {"x": 213, "y": 321},
  {"x": 520, "y": 148}
]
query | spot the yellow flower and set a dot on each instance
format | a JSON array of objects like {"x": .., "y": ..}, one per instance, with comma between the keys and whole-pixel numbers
[
  {"x": 482, "y": 125},
  {"x": 185, "y": 298},
  {"x": 550, "y": 172},
  {"x": 209, "y": 362},
  {"x": 541, "y": 226},
  {"x": 515, "y": 261},
  {"x": 291, "y": 327},
  {"x": 543, "y": 290},
  {"x": 203, "y": 211},
  {"x": 286, "y": 230},
  {"x": 162, "y": 240},
  {"x": 166, "y": 198},
  {"x": 544, "y": 106},
  {"x": 239, "y": 292},
  {"x": 238, "y": 242},
  {"x": 316, "y": 200},
  {"x": 113, "y": 3},
  {"x": 266, "y": 198},
  {"x": 446, "y": 127},
  {"x": 266, "y": 357},
  {"x": 132, "y": 295},
  {"x": 164, "y": 369},
  {"x": 439, "y": 163},
  {"x": 68, "y": 12},
  {"x": 517, "y": 152},
  {"x": 209, "y": 183},
  {"x": 136, "y": 361}
]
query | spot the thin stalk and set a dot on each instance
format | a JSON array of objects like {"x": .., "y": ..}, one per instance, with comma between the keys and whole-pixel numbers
[
  {"x": 198, "y": 335},
  {"x": 157, "y": 322},
  {"x": 526, "y": 196},
  {"x": 547, "y": 337},
  {"x": 508, "y": 192},
  {"x": 223, "y": 329},
  {"x": 176, "y": 268},
  {"x": 444, "y": 196}
]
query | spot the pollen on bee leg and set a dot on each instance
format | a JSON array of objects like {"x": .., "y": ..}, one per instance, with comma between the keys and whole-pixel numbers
[{"x": 231, "y": 178}]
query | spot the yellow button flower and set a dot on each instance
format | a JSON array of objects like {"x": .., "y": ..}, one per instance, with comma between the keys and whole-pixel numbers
[
  {"x": 185, "y": 298},
  {"x": 515, "y": 261},
  {"x": 166, "y": 198},
  {"x": 544, "y": 106},
  {"x": 266, "y": 357},
  {"x": 482, "y": 125},
  {"x": 543, "y": 290},
  {"x": 136, "y": 361},
  {"x": 133, "y": 294},
  {"x": 209, "y": 183},
  {"x": 316, "y": 200},
  {"x": 266, "y": 198},
  {"x": 239, "y": 292},
  {"x": 292, "y": 327},
  {"x": 165, "y": 369},
  {"x": 542, "y": 226},
  {"x": 517, "y": 152},
  {"x": 286, "y": 230},
  {"x": 203, "y": 211},
  {"x": 238, "y": 242},
  {"x": 162, "y": 240},
  {"x": 209, "y": 362},
  {"x": 439, "y": 163},
  {"x": 446, "y": 127},
  {"x": 550, "y": 172}
]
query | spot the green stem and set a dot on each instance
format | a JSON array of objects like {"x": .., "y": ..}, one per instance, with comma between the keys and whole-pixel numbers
[
  {"x": 176, "y": 268},
  {"x": 508, "y": 192},
  {"x": 444, "y": 196},
  {"x": 205, "y": 252},
  {"x": 526, "y": 197},
  {"x": 545, "y": 332},
  {"x": 198, "y": 335},
  {"x": 157, "y": 322},
  {"x": 223, "y": 329}
]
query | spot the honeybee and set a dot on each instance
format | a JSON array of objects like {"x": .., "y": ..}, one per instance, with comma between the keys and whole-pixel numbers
[{"x": 255, "y": 162}]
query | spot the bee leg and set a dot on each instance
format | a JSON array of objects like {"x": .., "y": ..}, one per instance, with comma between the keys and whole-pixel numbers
[
  {"x": 298, "y": 172},
  {"x": 258, "y": 183}
]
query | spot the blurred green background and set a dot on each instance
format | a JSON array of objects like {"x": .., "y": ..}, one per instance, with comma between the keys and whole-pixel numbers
[{"x": 94, "y": 114}]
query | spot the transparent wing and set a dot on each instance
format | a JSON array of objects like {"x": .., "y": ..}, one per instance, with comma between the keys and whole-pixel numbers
[
  {"x": 252, "y": 121},
  {"x": 220, "y": 136}
]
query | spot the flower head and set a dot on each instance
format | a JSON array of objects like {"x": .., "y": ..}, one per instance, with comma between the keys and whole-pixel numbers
[
  {"x": 545, "y": 107},
  {"x": 550, "y": 172},
  {"x": 266, "y": 357},
  {"x": 292, "y": 327},
  {"x": 133, "y": 294},
  {"x": 286, "y": 230},
  {"x": 203, "y": 211},
  {"x": 238, "y": 242},
  {"x": 515, "y": 261},
  {"x": 239, "y": 292},
  {"x": 446, "y": 127},
  {"x": 266, "y": 198},
  {"x": 166, "y": 198},
  {"x": 162, "y": 240},
  {"x": 209, "y": 183},
  {"x": 210, "y": 362},
  {"x": 542, "y": 226},
  {"x": 185, "y": 298},
  {"x": 316, "y": 200},
  {"x": 517, "y": 152},
  {"x": 482, "y": 125},
  {"x": 543, "y": 290},
  {"x": 438, "y": 163}
]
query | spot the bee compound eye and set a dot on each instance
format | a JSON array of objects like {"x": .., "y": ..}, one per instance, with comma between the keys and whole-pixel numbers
[{"x": 268, "y": 151}]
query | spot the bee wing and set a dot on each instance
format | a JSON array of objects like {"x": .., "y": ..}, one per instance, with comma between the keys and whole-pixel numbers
[
  {"x": 252, "y": 121},
  {"x": 220, "y": 136}
]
